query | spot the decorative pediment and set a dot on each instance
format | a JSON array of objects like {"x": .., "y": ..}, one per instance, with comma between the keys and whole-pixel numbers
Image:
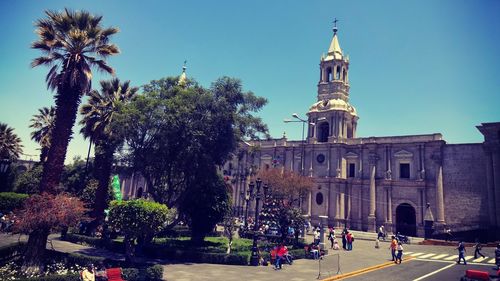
[
  {"x": 403, "y": 154},
  {"x": 351, "y": 155}
]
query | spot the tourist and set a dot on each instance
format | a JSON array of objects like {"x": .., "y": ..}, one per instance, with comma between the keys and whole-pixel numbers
[
  {"x": 344, "y": 240},
  {"x": 393, "y": 247},
  {"x": 335, "y": 244},
  {"x": 100, "y": 273},
  {"x": 331, "y": 236},
  {"x": 88, "y": 273},
  {"x": 461, "y": 252},
  {"x": 314, "y": 250},
  {"x": 381, "y": 233},
  {"x": 350, "y": 239},
  {"x": 497, "y": 256},
  {"x": 280, "y": 251},
  {"x": 400, "y": 253},
  {"x": 477, "y": 249},
  {"x": 317, "y": 238}
]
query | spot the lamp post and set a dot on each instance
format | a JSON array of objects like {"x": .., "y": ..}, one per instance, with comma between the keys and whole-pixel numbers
[
  {"x": 242, "y": 195},
  {"x": 303, "y": 121},
  {"x": 247, "y": 200},
  {"x": 254, "y": 259}
]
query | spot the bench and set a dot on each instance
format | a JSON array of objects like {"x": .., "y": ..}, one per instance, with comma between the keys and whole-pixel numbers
[
  {"x": 114, "y": 274},
  {"x": 477, "y": 275}
]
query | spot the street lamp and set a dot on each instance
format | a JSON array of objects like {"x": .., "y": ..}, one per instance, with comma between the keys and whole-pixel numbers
[
  {"x": 242, "y": 195},
  {"x": 254, "y": 259},
  {"x": 303, "y": 121},
  {"x": 247, "y": 200}
]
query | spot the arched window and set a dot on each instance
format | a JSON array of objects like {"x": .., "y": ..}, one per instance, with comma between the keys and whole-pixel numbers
[
  {"x": 344, "y": 75},
  {"x": 323, "y": 132},
  {"x": 329, "y": 75},
  {"x": 337, "y": 74},
  {"x": 139, "y": 192}
]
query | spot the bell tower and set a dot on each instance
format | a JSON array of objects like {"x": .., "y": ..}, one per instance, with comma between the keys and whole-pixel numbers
[{"x": 332, "y": 118}]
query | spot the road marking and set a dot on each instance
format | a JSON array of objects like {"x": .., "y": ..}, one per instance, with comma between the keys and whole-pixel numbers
[
  {"x": 426, "y": 256},
  {"x": 364, "y": 270},
  {"x": 434, "y": 272},
  {"x": 452, "y": 257},
  {"x": 409, "y": 253},
  {"x": 492, "y": 260},
  {"x": 479, "y": 259},
  {"x": 416, "y": 254},
  {"x": 468, "y": 257},
  {"x": 439, "y": 257}
]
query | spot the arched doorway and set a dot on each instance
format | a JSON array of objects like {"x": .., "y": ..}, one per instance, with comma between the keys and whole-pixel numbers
[{"x": 406, "y": 220}]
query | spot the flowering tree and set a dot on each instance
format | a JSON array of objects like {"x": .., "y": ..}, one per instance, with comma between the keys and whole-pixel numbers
[
  {"x": 46, "y": 212},
  {"x": 288, "y": 186}
]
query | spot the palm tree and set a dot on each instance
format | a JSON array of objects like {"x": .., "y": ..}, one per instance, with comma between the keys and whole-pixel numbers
[
  {"x": 98, "y": 116},
  {"x": 43, "y": 123},
  {"x": 72, "y": 43},
  {"x": 10, "y": 143},
  {"x": 10, "y": 149}
]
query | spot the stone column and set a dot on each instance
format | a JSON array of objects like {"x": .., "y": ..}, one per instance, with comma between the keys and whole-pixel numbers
[
  {"x": 490, "y": 188},
  {"x": 496, "y": 181},
  {"x": 348, "y": 211},
  {"x": 440, "y": 195},
  {"x": 342, "y": 205},
  {"x": 309, "y": 204},
  {"x": 389, "y": 209},
  {"x": 371, "y": 215}
]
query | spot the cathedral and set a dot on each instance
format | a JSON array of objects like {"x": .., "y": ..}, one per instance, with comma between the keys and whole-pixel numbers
[{"x": 401, "y": 182}]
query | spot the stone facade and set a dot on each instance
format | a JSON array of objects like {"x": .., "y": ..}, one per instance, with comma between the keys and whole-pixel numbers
[{"x": 363, "y": 183}]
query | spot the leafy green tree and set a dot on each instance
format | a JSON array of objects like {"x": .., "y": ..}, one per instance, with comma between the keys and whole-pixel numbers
[
  {"x": 206, "y": 203},
  {"x": 176, "y": 136},
  {"x": 75, "y": 177},
  {"x": 71, "y": 44},
  {"x": 88, "y": 195},
  {"x": 29, "y": 181},
  {"x": 98, "y": 115},
  {"x": 43, "y": 124},
  {"x": 138, "y": 220}
]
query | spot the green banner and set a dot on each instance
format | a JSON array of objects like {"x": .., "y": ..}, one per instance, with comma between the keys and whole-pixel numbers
[{"x": 117, "y": 192}]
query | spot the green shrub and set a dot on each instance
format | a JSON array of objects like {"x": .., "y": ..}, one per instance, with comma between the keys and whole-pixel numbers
[
  {"x": 9, "y": 201},
  {"x": 154, "y": 273},
  {"x": 67, "y": 277},
  {"x": 83, "y": 239},
  {"x": 131, "y": 274}
]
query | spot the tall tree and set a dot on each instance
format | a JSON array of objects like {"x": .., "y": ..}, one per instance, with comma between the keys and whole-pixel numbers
[
  {"x": 72, "y": 43},
  {"x": 10, "y": 143},
  {"x": 176, "y": 135},
  {"x": 10, "y": 149},
  {"x": 98, "y": 115},
  {"x": 43, "y": 124}
]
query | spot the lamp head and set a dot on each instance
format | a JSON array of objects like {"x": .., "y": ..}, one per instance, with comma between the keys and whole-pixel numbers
[{"x": 295, "y": 115}]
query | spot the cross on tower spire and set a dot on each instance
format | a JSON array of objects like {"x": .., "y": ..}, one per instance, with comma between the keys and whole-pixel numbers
[{"x": 335, "y": 29}]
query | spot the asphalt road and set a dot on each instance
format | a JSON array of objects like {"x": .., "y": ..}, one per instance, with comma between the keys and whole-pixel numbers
[{"x": 418, "y": 270}]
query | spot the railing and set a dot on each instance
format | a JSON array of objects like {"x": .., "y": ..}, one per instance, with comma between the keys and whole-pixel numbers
[{"x": 329, "y": 264}]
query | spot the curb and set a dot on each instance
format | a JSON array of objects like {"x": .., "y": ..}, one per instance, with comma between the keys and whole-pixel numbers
[{"x": 364, "y": 270}]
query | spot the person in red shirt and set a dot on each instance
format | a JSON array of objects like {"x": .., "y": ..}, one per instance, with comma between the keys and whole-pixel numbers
[{"x": 349, "y": 239}]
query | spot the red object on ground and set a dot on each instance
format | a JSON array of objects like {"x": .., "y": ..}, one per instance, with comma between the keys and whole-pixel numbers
[
  {"x": 114, "y": 274},
  {"x": 476, "y": 274}
]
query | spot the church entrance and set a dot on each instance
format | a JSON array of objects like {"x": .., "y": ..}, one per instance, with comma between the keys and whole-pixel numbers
[{"x": 406, "y": 220}]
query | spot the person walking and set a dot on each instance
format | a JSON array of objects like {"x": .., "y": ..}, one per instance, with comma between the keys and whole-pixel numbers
[
  {"x": 393, "y": 247},
  {"x": 497, "y": 256},
  {"x": 477, "y": 249},
  {"x": 381, "y": 233},
  {"x": 461, "y": 252},
  {"x": 317, "y": 238},
  {"x": 399, "y": 257}
]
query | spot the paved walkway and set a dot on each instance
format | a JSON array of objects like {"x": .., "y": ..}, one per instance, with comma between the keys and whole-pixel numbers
[{"x": 363, "y": 255}]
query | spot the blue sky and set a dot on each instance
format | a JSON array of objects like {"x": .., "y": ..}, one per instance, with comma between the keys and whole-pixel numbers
[{"x": 417, "y": 67}]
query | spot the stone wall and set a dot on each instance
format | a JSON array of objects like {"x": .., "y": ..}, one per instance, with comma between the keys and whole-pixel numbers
[{"x": 464, "y": 186}]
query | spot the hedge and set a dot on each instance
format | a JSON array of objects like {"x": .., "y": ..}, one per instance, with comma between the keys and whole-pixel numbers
[
  {"x": 10, "y": 251},
  {"x": 9, "y": 201},
  {"x": 67, "y": 277}
]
